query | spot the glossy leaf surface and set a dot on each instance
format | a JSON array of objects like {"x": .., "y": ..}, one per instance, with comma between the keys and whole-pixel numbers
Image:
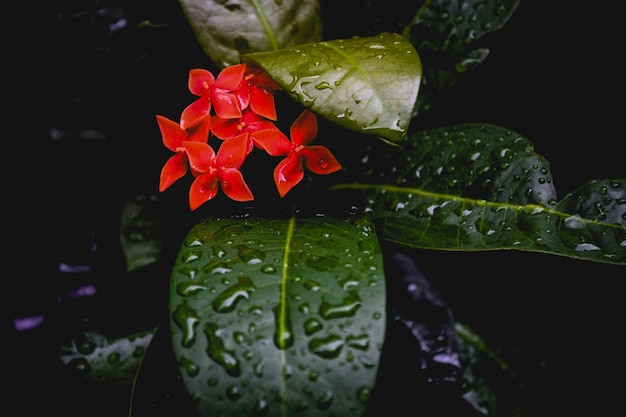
[
  {"x": 279, "y": 317},
  {"x": 227, "y": 29},
  {"x": 447, "y": 36},
  {"x": 366, "y": 84},
  {"x": 482, "y": 187}
]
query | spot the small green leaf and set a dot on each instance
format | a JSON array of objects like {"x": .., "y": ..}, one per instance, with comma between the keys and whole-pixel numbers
[
  {"x": 367, "y": 84},
  {"x": 482, "y": 187},
  {"x": 225, "y": 30},
  {"x": 101, "y": 358},
  {"x": 269, "y": 318}
]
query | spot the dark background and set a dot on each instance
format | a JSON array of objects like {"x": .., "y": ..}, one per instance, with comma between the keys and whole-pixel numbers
[{"x": 553, "y": 76}]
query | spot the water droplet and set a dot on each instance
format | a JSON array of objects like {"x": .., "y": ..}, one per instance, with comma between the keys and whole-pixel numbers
[
  {"x": 218, "y": 251},
  {"x": 233, "y": 392},
  {"x": 329, "y": 347},
  {"x": 113, "y": 358},
  {"x": 228, "y": 299},
  {"x": 268, "y": 269},
  {"x": 85, "y": 346},
  {"x": 260, "y": 408},
  {"x": 80, "y": 365},
  {"x": 304, "y": 308},
  {"x": 249, "y": 255},
  {"x": 188, "y": 272},
  {"x": 186, "y": 319},
  {"x": 189, "y": 288},
  {"x": 139, "y": 352},
  {"x": 190, "y": 256},
  {"x": 312, "y": 326},
  {"x": 283, "y": 334},
  {"x": 363, "y": 394},
  {"x": 360, "y": 342},
  {"x": 189, "y": 366},
  {"x": 347, "y": 308},
  {"x": 216, "y": 267},
  {"x": 219, "y": 353},
  {"x": 585, "y": 247},
  {"x": 258, "y": 368},
  {"x": 312, "y": 285},
  {"x": 348, "y": 282},
  {"x": 325, "y": 400}
]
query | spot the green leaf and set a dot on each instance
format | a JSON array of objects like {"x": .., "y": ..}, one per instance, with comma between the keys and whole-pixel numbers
[
  {"x": 482, "y": 187},
  {"x": 102, "y": 358},
  {"x": 446, "y": 34},
  {"x": 269, "y": 317},
  {"x": 225, "y": 30},
  {"x": 367, "y": 84}
]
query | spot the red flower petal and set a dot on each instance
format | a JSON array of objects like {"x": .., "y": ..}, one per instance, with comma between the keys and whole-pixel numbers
[
  {"x": 175, "y": 167},
  {"x": 304, "y": 129},
  {"x": 273, "y": 141},
  {"x": 230, "y": 77},
  {"x": 199, "y": 81},
  {"x": 288, "y": 173},
  {"x": 171, "y": 133},
  {"x": 233, "y": 185},
  {"x": 201, "y": 156},
  {"x": 226, "y": 105},
  {"x": 195, "y": 112},
  {"x": 262, "y": 102},
  {"x": 233, "y": 151},
  {"x": 225, "y": 128},
  {"x": 319, "y": 160},
  {"x": 203, "y": 189},
  {"x": 248, "y": 122}
]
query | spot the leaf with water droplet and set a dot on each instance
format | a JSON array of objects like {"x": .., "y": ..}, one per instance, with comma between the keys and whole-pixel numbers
[
  {"x": 482, "y": 187},
  {"x": 106, "y": 359},
  {"x": 227, "y": 29},
  {"x": 367, "y": 84},
  {"x": 272, "y": 329}
]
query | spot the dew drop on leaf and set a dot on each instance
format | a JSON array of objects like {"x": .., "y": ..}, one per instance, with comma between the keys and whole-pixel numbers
[
  {"x": 228, "y": 299},
  {"x": 312, "y": 326},
  {"x": 218, "y": 352},
  {"x": 363, "y": 394},
  {"x": 329, "y": 347},
  {"x": 233, "y": 392},
  {"x": 186, "y": 319},
  {"x": 325, "y": 400},
  {"x": 189, "y": 366},
  {"x": 346, "y": 308},
  {"x": 189, "y": 288}
]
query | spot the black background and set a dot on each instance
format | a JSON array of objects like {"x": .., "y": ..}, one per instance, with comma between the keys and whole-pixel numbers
[{"x": 554, "y": 75}]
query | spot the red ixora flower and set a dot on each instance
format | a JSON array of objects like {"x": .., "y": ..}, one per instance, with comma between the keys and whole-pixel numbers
[
  {"x": 213, "y": 171},
  {"x": 173, "y": 136},
  {"x": 224, "y": 94},
  {"x": 235, "y": 89},
  {"x": 262, "y": 89},
  {"x": 298, "y": 152},
  {"x": 249, "y": 121}
]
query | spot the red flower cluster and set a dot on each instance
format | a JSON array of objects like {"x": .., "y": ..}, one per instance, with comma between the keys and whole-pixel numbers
[{"x": 237, "y": 108}]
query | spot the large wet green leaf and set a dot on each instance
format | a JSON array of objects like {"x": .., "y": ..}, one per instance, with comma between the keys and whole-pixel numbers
[
  {"x": 279, "y": 317},
  {"x": 227, "y": 29},
  {"x": 482, "y": 187},
  {"x": 367, "y": 84},
  {"x": 446, "y": 34}
]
